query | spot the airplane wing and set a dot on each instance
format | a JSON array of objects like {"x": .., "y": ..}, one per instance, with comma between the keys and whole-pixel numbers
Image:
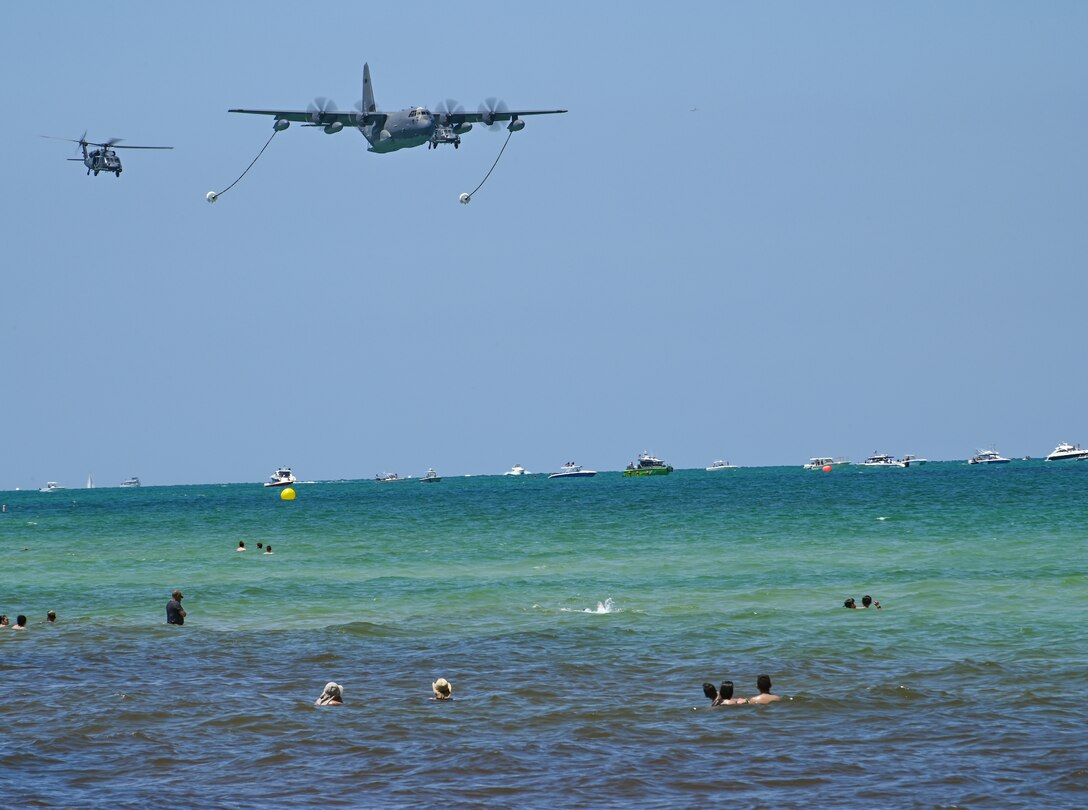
[
  {"x": 482, "y": 117},
  {"x": 321, "y": 119}
]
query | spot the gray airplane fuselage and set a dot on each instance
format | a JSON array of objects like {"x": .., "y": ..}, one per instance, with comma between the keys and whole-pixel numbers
[{"x": 400, "y": 130}]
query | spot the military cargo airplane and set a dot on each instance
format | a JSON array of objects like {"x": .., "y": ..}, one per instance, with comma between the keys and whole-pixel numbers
[{"x": 390, "y": 131}]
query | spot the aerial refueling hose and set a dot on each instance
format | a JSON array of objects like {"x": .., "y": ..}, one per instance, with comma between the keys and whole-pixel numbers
[
  {"x": 212, "y": 196},
  {"x": 467, "y": 198}
]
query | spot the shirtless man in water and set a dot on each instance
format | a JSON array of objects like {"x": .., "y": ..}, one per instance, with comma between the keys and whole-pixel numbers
[{"x": 763, "y": 684}]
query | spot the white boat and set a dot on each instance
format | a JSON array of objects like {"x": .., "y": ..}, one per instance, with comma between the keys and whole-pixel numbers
[
  {"x": 987, "y": 457},
  {"x": 1067, "y": 452},
  {"x": 517, "y": 469},
  {"x": 572, "y": 470},
  {"x": 131, "y": 482},
  {"x": 908, "y": 461},
  {"x": 386, "y": 478},
  {"x": 282, "y": 477},
  {"x": 431, "y": 477},
  {"x": 52, "y": 486},
  {"x": 881, "y": 460},
  {"x": 825, "y": 461},
  {"x": 720, "y": 465}
]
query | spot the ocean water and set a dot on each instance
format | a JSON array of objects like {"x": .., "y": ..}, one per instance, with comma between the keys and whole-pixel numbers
[{"x": 577, "y": 620}]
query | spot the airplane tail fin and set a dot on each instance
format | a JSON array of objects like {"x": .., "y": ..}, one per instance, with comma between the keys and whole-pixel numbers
[{"x": 368, "y": 91}]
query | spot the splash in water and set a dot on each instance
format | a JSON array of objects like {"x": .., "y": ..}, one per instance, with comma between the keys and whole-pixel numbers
[{"x": 607, "y": 606}]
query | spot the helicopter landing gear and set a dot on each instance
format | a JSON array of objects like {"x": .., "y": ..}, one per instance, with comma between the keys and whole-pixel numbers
[{"x": 96, "y": 172}]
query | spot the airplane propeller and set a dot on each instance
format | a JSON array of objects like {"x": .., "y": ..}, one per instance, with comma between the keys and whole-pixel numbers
[
  {"x": 446, "y": 109},
  {"x": 317, "y": 108},
  {"x": 358, "y": 116},
  {"x": 491, "y": 108}
]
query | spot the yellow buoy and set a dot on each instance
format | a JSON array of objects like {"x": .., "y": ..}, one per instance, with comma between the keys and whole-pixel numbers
[{"x": 287, "y": 494}]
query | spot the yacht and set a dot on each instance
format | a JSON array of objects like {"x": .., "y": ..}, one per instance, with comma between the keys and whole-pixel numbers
[
  {"x": 52, "y": 486},
  {"x": 647, "y": 464},
  {"x": 431, "y": 477},
  {"x": 987, "y": 457},
  {"x": 386, "y": 478},
  {"x": 517, "y": 469},
  {"x": 281, "y": 478},
  {"x": 720, "y": 465},
  {"x": 907, "y": 461},
  {"x": 824, "y": 461},
  {"x": 1067, "y": 452},
  {"x": 131, "y": 482},
  {"x": 881, "y": 460},
  {"x": 572, "y": 470}
]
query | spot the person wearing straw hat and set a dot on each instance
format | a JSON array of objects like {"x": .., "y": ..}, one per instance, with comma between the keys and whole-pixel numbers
[
  {"x": 442, "y": 689},
  {"x": 332, "y": 696}
]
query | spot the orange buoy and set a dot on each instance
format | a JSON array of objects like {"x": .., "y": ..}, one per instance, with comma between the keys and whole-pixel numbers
[{"x": 827, "y": 468}]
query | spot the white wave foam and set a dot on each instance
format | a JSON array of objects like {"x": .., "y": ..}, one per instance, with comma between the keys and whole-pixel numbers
[{"x": 607, "y": 606}]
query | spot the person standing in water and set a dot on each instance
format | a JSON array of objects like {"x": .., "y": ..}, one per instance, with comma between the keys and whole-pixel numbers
[{"x": 174, "y": 612}]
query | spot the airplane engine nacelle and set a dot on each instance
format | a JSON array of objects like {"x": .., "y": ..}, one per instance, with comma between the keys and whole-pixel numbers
[
  {"x": 333, "y": 128},
  {"x": 461, "y": 129},
  {"x": 516, "y": 125},
  {"x": 281, "y": 124}
]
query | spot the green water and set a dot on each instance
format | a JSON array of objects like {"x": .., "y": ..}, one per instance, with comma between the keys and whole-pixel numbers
[{"x": 577, "y": 620}]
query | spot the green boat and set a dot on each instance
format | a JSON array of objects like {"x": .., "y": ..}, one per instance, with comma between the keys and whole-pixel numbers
[{"x": 648, "y": 465}]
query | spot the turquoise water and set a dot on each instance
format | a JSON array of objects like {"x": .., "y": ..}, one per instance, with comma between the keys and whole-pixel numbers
[{"x": 576, "y": 619}]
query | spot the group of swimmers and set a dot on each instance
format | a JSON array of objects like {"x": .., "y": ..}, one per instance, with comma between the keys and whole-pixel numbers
[
  {"x": 242, "y": 547},
  {"x": 866, "y": 602},
  {"x": 333, "y": 694},
  {"x": 21, "y": 622},
  {"x": 724, "y": 695}
]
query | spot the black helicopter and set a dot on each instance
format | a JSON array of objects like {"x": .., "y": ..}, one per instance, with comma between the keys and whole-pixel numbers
[{"x": 104, "y": 158}]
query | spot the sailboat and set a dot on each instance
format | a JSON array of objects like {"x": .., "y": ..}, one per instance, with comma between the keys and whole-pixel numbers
[{"x": 90, "y": 481}]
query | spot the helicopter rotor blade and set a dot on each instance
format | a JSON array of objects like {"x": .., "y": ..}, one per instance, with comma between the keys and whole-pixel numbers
[{"x": 138, "y": 147}]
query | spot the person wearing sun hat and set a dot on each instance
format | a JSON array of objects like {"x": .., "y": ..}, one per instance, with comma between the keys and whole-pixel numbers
[
  {"x": 442, "y": 689},
  {"x": 333, "y": 695}
]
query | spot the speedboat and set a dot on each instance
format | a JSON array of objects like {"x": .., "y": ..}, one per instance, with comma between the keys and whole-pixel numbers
[
  {"x": 1067, "y": 452},
  {"x": 517, "y": 469},
  {"x": 881, "y": 460},
  {"x": 987, "y": 457},
  {"x": 131, "y": 482},
  {"x": 824, "y": 461},
  {"x": 572, "y": 470},
  {"x": 647, "y": 464},
  {"x": 431, "y": 477},
  {"x": 907, "y": 461},
  {"x": 720, "y": 465},
  {"x": 385, "y": 478},
  {"x": 281, "y": 478},
  {"x": 52, "y": 486}
]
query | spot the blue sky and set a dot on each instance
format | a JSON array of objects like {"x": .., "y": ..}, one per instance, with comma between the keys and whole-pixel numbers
[{"x": 764, "y": 232}]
